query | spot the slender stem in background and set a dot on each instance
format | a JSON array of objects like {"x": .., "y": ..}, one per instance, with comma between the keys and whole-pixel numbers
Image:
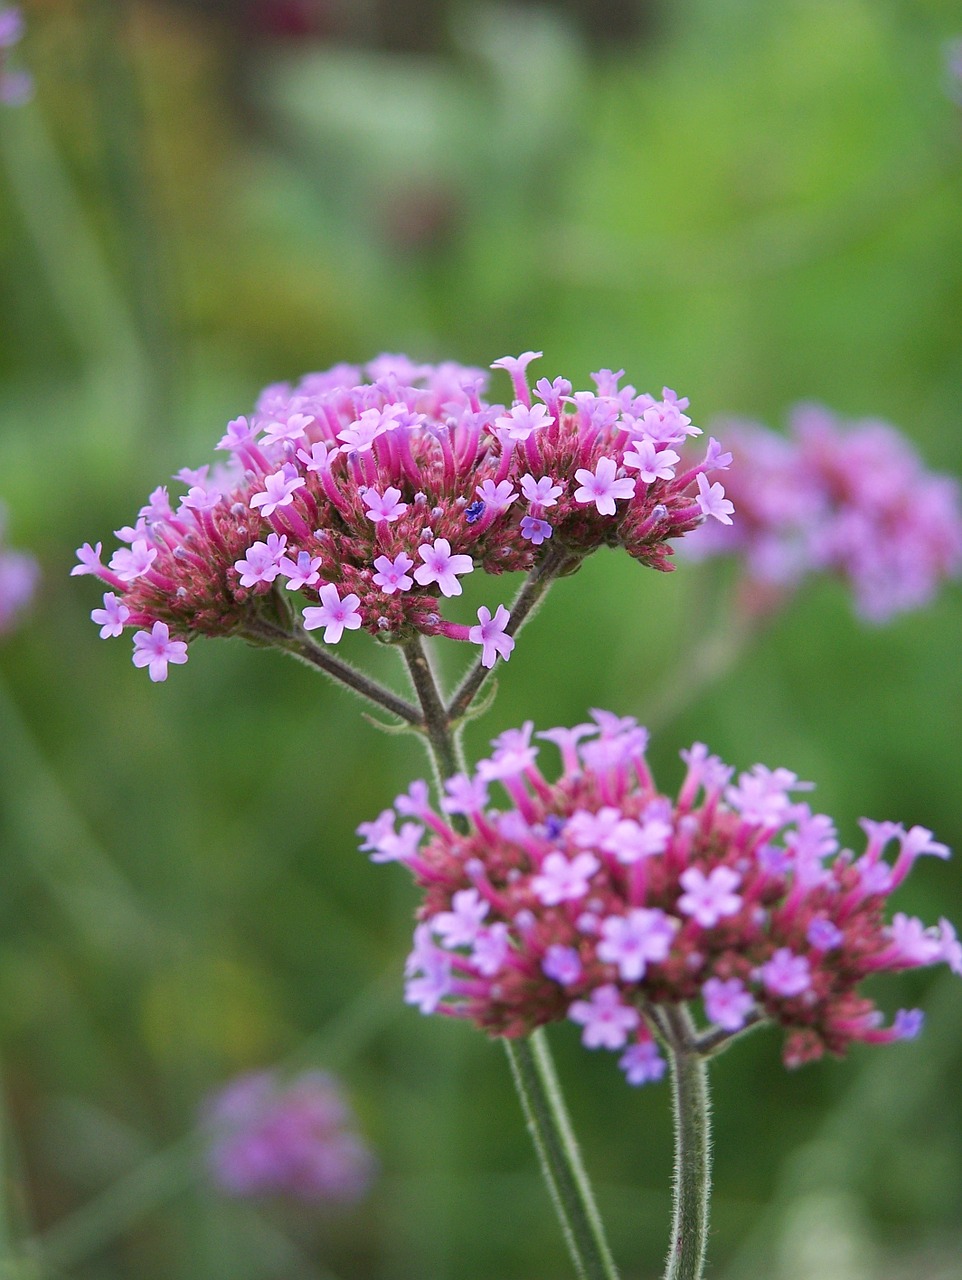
[
  {"x": 126, "y": 162},
  {"x": 262, "y": 631},
  {"x": 557, "y": 562},
  {"x": 6, "y": 1231},
  {"x": 692, "y": 1185},
  {"x": 75, "y": 272},
  {"x": 719, "y": 634},
  {"x": 531, "y": 1065},
  {"x": 550, "y": 1129}
]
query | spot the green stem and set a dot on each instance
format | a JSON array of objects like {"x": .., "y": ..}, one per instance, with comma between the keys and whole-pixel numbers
[
  {"x": 126, "y": 165},
  {"x": 550, "y": 1129},
  {"x": 555, "y": 564},
  {"x": 444, "y": 749},
  {"x": 261, "y": 631},
  {"x": 692, "y": 1185},
  {"x": 531, "y": 1064}
]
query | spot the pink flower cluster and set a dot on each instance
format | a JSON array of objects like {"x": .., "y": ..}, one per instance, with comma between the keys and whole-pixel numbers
[
  {"x": 19, "y": 574},
  {"x": 953, "y": 69},
  {"x": 849, "y": 498},
  {"x": 294, "y": 1139},
  {"x": 598, "y": 899},
  {"x": 15, "y": 86},
  {"x": 373, "y": 500}
]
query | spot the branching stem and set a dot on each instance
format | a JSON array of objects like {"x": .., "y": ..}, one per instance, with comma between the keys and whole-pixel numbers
[
  {"x": 556, "y": 563},
  {"x": 262, "y": 631}
]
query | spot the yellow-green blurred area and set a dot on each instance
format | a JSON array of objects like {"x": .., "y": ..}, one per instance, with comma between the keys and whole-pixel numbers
[{"x": 752, "y": 203}]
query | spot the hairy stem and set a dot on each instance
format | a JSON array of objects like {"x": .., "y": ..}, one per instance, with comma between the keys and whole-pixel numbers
[
  {"x": 445, "y": 751},
  {"x": 556, "y": 563},
  {"x": 692, "y": 1185},
  {"x": 531, "y": 1065},
  {"x": 262, "y": 631},
  {"x": 550, "y": 1129}
]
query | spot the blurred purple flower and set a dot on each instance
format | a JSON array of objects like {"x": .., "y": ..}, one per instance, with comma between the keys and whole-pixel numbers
[
  {"x": 293, "y": 1138},
  {"x": 19, "y": 574},
  {"x": 16, "y": 87},
  {"x": 849, "y": 498},
  {"x": 953, "y": 69}
]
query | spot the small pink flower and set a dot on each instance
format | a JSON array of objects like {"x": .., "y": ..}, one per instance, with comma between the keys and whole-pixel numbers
[
  {"x": 383, "y": 506},
  {"x": 154, "y": 649},
  {"x": 712, "y": 500},
  {"x": 707, "y": 899},
  {"x": 111, "y": 617},
  {"x": 601, "y": 487},
  {"x": 392, "y": 575},
  {"x": 442, "y": 566},
  {"x": 333, "y": 614},
  {"x": 605, "y": 1019},
  {"x": 491, "y": 635},
  {"x": 727, "y": 1003},
  {"x": 279, "y": 490}
]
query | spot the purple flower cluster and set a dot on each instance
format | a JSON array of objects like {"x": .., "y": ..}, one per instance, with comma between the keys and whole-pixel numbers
[
  {"x": 15, "y": 86},
  {"x": 294, "y": 1139},
  {"x": 598, "y": 899},
  {"x": 953, "y": 69},
  {"x": 375, "y": 499},
  {"x": 848, "y": 498},
  {"x": 19, "y": 574}
]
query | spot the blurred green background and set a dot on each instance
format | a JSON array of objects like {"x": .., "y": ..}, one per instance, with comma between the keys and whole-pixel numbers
[{"x": 751, "y": 203}]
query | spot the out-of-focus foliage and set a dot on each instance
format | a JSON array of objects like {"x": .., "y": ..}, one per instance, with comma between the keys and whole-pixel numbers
[{"x": 751, "y": 203}]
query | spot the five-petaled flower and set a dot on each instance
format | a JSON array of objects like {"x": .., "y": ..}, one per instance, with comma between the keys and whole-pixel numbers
[{"x": 154, "y": 649}]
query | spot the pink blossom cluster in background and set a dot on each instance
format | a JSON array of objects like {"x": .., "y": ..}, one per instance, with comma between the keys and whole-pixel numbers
[
  {"x": 19, "y": 574},
  {"x": 373, "y": 494},
  {"x": 598, "y": 899},
  {"x": 270, "y": 1137},
  {"x": 849, "y": 498},
  {"x": 953, "y": 69},
  {"x": 15, "y": 86}
]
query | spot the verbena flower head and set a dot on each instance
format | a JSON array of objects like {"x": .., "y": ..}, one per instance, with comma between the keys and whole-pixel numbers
[
  {"x": 373, "y": 497},
  {"x": 597, "y": 898},
  {"x": 852, "y": 499},
  {"x": 19, "y": 574},
  {"x": 15, "y": 86},
  {"x": 296, "y": 1138}
]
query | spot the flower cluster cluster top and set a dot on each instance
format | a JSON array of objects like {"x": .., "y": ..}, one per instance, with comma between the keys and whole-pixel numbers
[
  {"x": 849, "y": 498},
  {"x": 373, "y": 497},
  {"x": 15, "y": 86},
  {"x": 19, "y": 573},
  {"x": 298, "y": 1139},
  {"x": 598, "y": 899}
]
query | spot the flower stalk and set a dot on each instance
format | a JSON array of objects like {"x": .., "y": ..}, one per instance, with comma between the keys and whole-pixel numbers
[
  {"x": 537, "y": 1083},
  {"x": 692, "y": 1183},
  {"x": 557, "y": 563},
  {"x": 532, "y": 1067},
  {"x": 262, "y": 631}
]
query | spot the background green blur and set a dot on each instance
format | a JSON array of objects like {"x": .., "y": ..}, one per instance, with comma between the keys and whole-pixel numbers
[{"x": 752, "y": 203}]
